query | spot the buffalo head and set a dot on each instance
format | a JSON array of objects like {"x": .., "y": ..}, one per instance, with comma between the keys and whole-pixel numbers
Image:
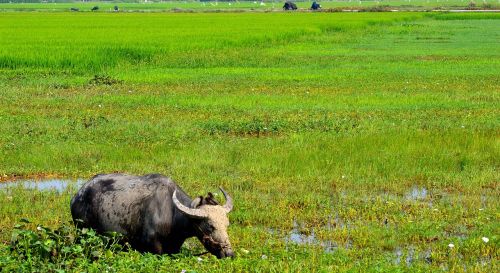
[{"x": 210, "y": 222}]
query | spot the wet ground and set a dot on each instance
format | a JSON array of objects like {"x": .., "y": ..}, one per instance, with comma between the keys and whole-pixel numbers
[{"x": 49, "y": 184}]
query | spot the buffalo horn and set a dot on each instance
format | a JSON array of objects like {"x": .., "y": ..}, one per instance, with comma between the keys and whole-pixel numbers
[
  {"x": 195, "y": 213},
  {"x": 229, "y": 201}
]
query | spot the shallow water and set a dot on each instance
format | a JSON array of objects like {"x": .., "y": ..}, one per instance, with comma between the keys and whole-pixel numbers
[
  {"x": 295, "y": 236},
  {"x": 417, "y": 193},
  {"x": 58, "y": 185}
]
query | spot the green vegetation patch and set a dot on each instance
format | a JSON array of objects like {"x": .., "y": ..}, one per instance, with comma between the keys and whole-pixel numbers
[{"x": 350, "y": 142}]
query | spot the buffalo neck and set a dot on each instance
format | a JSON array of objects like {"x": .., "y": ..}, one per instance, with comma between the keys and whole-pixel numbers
[{"x": 183, "y": 224}]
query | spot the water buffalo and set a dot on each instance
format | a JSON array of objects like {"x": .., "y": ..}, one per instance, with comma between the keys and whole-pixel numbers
[
  {"x": 289, "y": 6},
  {"x": 153, "y": 213},
  {"x": 315, "y": 6}
]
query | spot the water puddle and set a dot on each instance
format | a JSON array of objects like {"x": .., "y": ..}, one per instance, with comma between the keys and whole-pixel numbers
[
  {"x": 417, "y": 193},
  {"x": 295, "y": 236},
  {"x": 58, "y": 185},
  {"x": 307, "y": 237},
  {"x": 399, "y": 253},
  {"x": 408, "y": 256}
]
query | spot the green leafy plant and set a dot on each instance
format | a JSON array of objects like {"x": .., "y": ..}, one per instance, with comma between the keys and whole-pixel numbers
[{"x": 43, "y": 245}]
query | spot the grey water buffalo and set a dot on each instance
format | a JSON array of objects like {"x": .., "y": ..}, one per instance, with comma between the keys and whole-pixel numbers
[
  {"x": 153, "y": 213},
  {"x": 289, "y": 5}
]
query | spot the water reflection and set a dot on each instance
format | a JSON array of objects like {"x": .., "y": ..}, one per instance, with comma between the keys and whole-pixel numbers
[{"x": 58, "y": 185}]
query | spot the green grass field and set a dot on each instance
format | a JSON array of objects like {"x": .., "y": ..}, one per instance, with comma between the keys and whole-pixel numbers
[
  {"x": 244, "y": 5},
  {"x": 359, "y": 142}
]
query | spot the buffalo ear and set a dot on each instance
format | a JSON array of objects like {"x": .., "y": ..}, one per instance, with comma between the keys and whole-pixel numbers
[
  {"x": 210, "y": 200},
  {"x": 196, "y": 202}
]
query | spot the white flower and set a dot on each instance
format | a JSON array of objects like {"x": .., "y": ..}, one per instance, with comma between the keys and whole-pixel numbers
[
  {"x": 245, "y": 251},
  {"x": 485, "y": 239},
  {"x": 451, "y": 245},
  {"x": 343, "y": 176},
  {"x": 263, "y": 257},
  {"x": 481, "y": 209},
  {"x": 100, "y": 106},
  {"x": 183, "y": 271},
  {"x": 38, "y": 228},
  {"x": 199, "y": 259}
]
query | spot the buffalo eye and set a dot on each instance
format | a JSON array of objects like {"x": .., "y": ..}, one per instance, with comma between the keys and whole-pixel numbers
[{"x": 208, "y": 228}]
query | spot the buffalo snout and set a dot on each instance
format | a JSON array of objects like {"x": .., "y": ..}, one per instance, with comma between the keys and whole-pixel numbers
[{"x": 228, "y": 253}]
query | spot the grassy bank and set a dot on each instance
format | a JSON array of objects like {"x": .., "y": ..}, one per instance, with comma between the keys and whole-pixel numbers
[{"x": 371, "y": 137}]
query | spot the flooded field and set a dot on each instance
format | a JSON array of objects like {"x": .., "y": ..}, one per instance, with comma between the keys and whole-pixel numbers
[{"x": 59, "y": 185}]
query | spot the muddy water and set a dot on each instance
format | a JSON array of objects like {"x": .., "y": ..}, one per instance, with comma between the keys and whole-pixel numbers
[{"x": 58, "y": 185}]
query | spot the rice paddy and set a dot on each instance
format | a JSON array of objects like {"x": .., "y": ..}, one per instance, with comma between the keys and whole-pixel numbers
[
  {"x": 355, "y": 142},
  {"x": 240, "y": 6}
]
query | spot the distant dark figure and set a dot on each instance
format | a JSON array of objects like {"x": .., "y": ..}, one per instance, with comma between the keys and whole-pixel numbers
[
  {"x": 289, "y": 6},
  {"x": 315, "y": 6},
  {"x": 74, "y": 9},
  {"x": 116, "y": 8},
  {"x": 95, "y": 8}
]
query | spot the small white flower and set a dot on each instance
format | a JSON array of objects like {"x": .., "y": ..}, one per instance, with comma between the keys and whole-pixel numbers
[
  {"x": 451, "y": 245},
  {"x": 463, "y": 126},
  {"x": 481, "y": 209},
  {"x": 485, "y": 239},
  {"x": 435, "y": 209},
  {"x": 245, "y": 251},
  {"x": 38, "y": 228},
  {"x": 263, "y": 257},
  {"x": 100, "y": 106},
  {"x": 183, "y": 271},
  {"x": 343, "y": 176},
  {"x": 199, "y": 259}
]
